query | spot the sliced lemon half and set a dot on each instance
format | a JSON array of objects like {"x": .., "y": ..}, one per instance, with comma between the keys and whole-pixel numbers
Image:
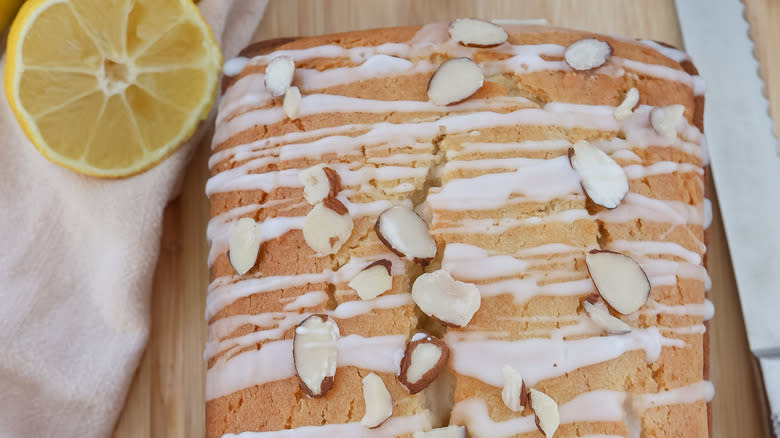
[{"x": 110, "y": 87}]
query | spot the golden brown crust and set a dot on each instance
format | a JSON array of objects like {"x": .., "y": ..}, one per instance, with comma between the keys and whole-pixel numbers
[{"x": 280, "y": 404}]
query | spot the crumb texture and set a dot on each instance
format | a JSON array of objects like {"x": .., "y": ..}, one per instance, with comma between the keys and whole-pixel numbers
[{"x": 492, "y": 177}]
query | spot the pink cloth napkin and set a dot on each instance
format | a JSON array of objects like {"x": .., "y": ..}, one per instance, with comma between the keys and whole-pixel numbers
[{"x": 77, "y": 256}]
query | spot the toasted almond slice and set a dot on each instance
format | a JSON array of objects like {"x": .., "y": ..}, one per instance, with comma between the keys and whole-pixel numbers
[
  {"x": 619, "y": 279},
  {"x": 327, "y": 226},
  {"x": 292, "y": 103},
  {"x": 587, "y": 54},
  {"x": 453, "y": 431},
  {"x": 373, "y": 280},
  {"x": 665, "y": 120},
  {"x": 603, "y": 319},
  {"x": 628, "y": 105},
  {"x": 406, "y": 234},
  {"x": 279, "y": 75},
  {"x": 319, "y": 182},
  {"x": 513, "y": 393},
  {"x": 439, "y": 295},
  {"x": 423, "y": 361},
  {"x": 244, "y": 245},
  {"x": 546, "y": 409},
  {"x": 602, "y": 178},
  {"x": 471, "y": 32},
  {"x": 379, "y": 402},
  {"x": 315, "y": 352},
  {"x": 454, "y": 81}
]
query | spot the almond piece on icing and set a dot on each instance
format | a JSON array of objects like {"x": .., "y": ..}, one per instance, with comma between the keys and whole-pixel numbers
[
  {"x": 665, "y": 120},
  {"x": 513, "y": 393},
  {"x": 315, "y": 352},
  {"x": 619, "y": 279},
  {"x": 439, "y": 295},
  {"x": 319, "y": 182},
  {"x": 279, "y": 75},
  {"x": 292, "y": 103},
  {"x": 424, "y": 360},
  {"x": 628, "y": 105},
  {"x": 603, "y": 319},
  {"x": 587, "y": 54},
  {"x": 453, "y": 431},
  {"x": 602, "y": 178},
  {"x": 379, "y": 402},
  {"x": 546, "y": 409},
  {"x": 373, "y": 280},
  {"x": 244, "y": 245},
  {"x": 327, "y": 226},
  {"x": 455, "y": 80},
  {"x": 406, "y": 234},
  {"x": 471, "y": 32}
]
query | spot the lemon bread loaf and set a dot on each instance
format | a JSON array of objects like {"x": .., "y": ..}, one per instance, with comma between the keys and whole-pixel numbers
[{"x": 458, "y": 230}]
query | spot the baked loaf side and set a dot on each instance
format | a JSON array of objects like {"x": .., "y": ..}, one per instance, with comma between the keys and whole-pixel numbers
[{"x": 520, "y": 184}]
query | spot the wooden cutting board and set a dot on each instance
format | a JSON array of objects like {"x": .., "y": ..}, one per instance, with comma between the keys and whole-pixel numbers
[{"x": 166, "y": 398}]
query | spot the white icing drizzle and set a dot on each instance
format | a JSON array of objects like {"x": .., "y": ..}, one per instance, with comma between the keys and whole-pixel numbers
[
  {"x": 645, "y": 248},
  {"x": 553, "y": 114},
  {"x": 220, "y": 227},
  {"x": 707, "y": 213},
  {"x": 636, "y": 171},
  {"x": 393, "y": 427},
  {"x": 529, "y": 145},
  {"x": 705, "y": 310},
  {"x": 635, "y": 206},
  {"x": 536, "y": 179},
  {"x": 669, "y": 52},
  {"x": 281, "y": 322},
  {"x": 309, "y": 299},
  {"x": 538, "y": 358},
  {"x": 593, "y": 406},
  {"x": 224, "y": 291},
  {"x": 274, "y": 361},
  {"x": 491, "y": 226},
  {"x": 234, "y": 66}
]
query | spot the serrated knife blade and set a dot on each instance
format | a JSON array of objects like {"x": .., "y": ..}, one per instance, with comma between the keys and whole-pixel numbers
[{"x": 746, "y": 169}]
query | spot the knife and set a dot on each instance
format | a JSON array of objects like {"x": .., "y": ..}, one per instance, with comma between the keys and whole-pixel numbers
[{"x": 746, "y": 169}]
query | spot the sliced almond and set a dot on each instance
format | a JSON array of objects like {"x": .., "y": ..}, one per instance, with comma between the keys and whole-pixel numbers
[
  {"x": 454, "y": 81},
  {"x": 319, "y": 182},
  {"x": 513, "y": 393},
  {"x": 379, "y": 402},
  {"x": 279, "y": 75},
  {"x": 315, "y": 351},
  {"x": 373, "y": 280},
  {"x": 439, "y": 295},
  {"x": 471, "y": 32},
  {"x": 292, "y": 103},
  {"x": 665, "y": 120},
  {"x": 327, "y": 226},
  {"x": 453, "y": 431},
  {"x": 244, "y": 245},
  {"x": 619, "y": 279},
  {"x": 423, "y": 361},
  {"x": 406, "y": 234},
  {"x": 603, "y": 319},
  {"x": 547, "y": 416},
  {"x": 587, "y": 54},
  {"x": 602, "y": 178},
  {"x": 628, "y": 105}
]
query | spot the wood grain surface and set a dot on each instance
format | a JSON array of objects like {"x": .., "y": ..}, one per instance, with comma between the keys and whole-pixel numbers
[{"x": 166, "y": 399}]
